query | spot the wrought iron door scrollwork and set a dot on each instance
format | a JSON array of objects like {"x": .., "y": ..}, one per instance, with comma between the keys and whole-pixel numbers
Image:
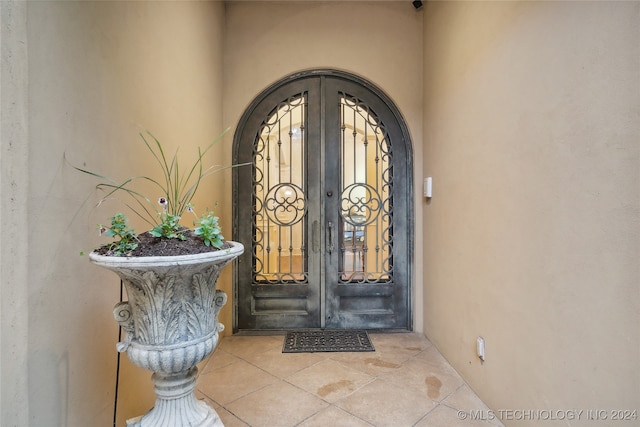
[
  {"x": 366, "y": 198},
  {"x": 285, "y": 204},
  {"x": 360, "y": 204},
  {"x": 279, "y": 199}
]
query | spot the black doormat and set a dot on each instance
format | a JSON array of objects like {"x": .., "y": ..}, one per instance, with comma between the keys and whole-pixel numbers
[{"x": 315, "y": 341}]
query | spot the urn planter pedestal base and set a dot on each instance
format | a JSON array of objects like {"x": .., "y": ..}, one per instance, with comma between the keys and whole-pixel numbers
[
  {"x": 176, "y": 404},
  {"x": 171, "y": 324}
]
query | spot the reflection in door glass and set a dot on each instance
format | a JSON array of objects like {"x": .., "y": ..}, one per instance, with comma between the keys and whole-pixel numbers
[
  {"x": 365, "y": 205},
  {"x": 279, "y": 195}
]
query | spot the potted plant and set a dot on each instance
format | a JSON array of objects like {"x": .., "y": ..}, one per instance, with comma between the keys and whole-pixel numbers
[{"x": 170, "y": 273}]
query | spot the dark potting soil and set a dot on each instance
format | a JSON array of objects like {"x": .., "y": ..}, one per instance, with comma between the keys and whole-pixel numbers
[{"x": 149, "y": 245}]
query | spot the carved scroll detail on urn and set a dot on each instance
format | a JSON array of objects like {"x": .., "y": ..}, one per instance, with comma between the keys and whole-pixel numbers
[{"x": 122, "y": 314}]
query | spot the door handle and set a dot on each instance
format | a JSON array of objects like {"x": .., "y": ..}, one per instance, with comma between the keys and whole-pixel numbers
[{"x": 330, "y": 231}]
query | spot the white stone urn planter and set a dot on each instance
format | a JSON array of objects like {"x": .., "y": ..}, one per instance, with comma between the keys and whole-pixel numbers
[{"x": 171, "y": 324}]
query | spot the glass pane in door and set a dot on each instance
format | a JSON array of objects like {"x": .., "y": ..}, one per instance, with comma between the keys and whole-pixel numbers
[
  {"x": 279, "y": 192},
  {"x": 365, "y": 204}
]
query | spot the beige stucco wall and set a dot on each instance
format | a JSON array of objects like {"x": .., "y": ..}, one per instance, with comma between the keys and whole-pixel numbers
[
  {"x": 380, "y": 41},
  {"x": 88, "y": 76},
  {"x": 13, "y": 205},
  {"x": 532, "y": 238}
]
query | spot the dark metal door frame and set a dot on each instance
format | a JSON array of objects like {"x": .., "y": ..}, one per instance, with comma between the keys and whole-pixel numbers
[{"x": 314, "y": 80}]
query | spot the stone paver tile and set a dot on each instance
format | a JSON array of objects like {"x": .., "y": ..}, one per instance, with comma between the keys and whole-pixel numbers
[
  {"x": 281, "y": 364},
  {"x": 330, "y": 380},
  {"x": 385, "y": 405},
  {"x": 233, "y": 381},
  {"x": 277, "y": 405},
  {"x": 466, "y": 400},
  {"x": 334, "y": 417},
  {"x": 432, "y": 381},
  {"x": 244, "y": 345}
]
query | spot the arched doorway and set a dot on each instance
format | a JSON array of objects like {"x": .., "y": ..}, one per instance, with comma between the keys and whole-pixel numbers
[{"x": 325, "y": 213}]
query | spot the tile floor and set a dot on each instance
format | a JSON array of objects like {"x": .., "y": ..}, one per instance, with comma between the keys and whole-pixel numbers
[{"x": 405, "y": 382}]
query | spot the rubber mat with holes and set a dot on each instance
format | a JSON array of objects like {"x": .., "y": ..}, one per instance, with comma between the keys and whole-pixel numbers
[{"x": 315, "y": 341}]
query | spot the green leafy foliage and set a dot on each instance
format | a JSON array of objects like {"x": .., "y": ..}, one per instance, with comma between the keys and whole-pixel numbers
[
  {"x": 127, "y": 238},
  {"x": 209, "y": 230},
  {"x": 169, "y": 227}
]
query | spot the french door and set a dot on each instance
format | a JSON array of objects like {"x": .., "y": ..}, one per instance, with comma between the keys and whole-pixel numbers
[{"x": 324, "y": 210}]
